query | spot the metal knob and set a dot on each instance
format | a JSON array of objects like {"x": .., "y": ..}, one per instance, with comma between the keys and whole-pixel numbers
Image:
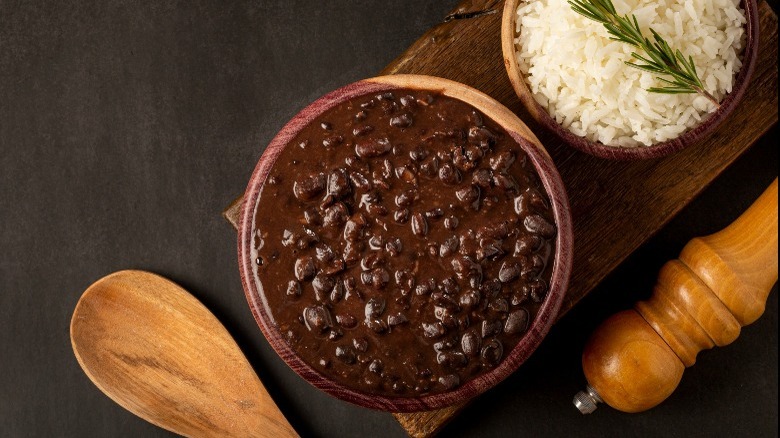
[{"x": 587, "y": 400}]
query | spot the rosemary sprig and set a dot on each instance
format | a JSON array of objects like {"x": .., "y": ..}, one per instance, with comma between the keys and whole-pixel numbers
[{"x": 658, "y": 58}]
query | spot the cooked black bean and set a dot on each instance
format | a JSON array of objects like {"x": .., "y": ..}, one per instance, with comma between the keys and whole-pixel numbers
[
  {"x": 489, "y": 249},
  {"x": 377, "y": 325},
  {"x": 345, "y": 354},
  {"x": 490, "y": 288},
  {"x": 527, "y": 243},
  {"x": 372, "y": 148},
  {"x": 449, "y": 286},
  {"x": 508, "y": 272},
  {"x": 449, "y": 246},
  {"x": 309, "y": 187},
  {"x": 312, "y": 217},
  {"x": 405, "y": 198},
  {"x": 450, "y": 381},
  {"x": 451, "y": 359},
  {"x": 502, "y": 160},
  {"x": 396, "y": 319},
  {"x": 433, "y": 330},
  {"x": 317, "y": 319},
  {"x": 469, "y": 299},
  {"x": 434, "y": 213},
  {"x": 293, "y": 289},
  {"x": 492, "y": 352},
  {"x": 332, "y": 141},
  {"x": 516, "y": 322},
  {"x": 376, "y": 242},
  {"x": 337, "y": 293},
  {"x": 482, "y": 178},
  {"x": 322, "y": 285},
  {"x": 451, "y": 222},
  {"x": 360, "y": 344},
  {"x": 338, "y": 183},
  {"x": 394, "y": 246},
  {"x": 498, "y": 231},
  {"x": 464, "y": 266},
  {"x": 490, "y": 328},
  {"x": 335, "y": 335},
  {"x": 352, "y": 252},
  {"x": 408, "y": 100},
  {"x": 360, "y": 181},
  {"x": 404, "y": 279},
  {"x": 419, "y": 225},
  {"x": 418, "y": 153},
  {"x": 304, "y": 268},
  {"x": 520, "y": 297},
  {"x": 505, "y": 182},
  {"x": 376, "y": 366},
  {"x": 401, "y": 121},
  {"x": 346, "y": 320},
  {"x": 469, "y": 196},
  {"x": 379, "y": 278},
  {"x": 375, "y": 307},
  {"x": 448, "y": 174},
  {"x": 470, "y": 343},
  {"x": 538, "y": 289},
  {"x": 324, "y": 253},
  {"x": 465, "y": 162},
  {"x": 353, "y": 230},
  {"x": 499, "y": 305},
  {"x": 372, "y": 260},
  {"x": 362, "y": 130},
  {"x": 481, "y": 136},
  {"x": 430, "y": 167},
  {"x": 539, "y": 225},
  {"x": 401, "y": 216},
  {"x": 335, "y": 216}
]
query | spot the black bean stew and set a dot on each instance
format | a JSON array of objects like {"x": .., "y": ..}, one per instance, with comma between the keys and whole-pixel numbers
[{"x": 404, "y": 243}]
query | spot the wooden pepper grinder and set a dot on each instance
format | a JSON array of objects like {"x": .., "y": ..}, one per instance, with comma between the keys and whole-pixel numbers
[{"x": 720, "y": 283}]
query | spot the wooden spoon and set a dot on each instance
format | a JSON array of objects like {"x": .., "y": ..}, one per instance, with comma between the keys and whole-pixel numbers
[{"x": 157, "y": 351}]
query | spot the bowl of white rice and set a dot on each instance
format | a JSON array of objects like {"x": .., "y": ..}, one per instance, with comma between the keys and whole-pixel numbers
[{"x": 574, "y": 80}]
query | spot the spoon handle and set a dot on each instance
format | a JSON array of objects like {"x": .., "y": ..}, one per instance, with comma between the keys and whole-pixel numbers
[
  {"x": 158, "y": 352},
  {"x": 719, "y": 284}
]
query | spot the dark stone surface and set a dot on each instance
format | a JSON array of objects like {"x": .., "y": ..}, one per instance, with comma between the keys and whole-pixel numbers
[{"x": 126, "y": 127}]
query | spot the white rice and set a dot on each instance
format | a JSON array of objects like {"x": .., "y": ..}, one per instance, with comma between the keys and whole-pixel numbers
[{"x": 578, "y": 73}]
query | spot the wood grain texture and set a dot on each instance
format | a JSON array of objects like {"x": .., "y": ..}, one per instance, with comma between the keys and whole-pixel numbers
[
  {"x": 629, "y": 365},
  {"x": 720, "y": 283},
  {"x": 159, "y": 353},
  {"x": 616, "y": 206}
]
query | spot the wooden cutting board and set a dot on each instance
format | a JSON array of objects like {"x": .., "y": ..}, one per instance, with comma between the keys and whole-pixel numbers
[{"x": 616, "y": 206}]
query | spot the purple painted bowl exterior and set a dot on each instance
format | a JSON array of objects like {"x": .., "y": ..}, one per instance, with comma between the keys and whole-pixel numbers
[
  {"x": 658, "y": 150},
  {"x": 536, "y": 332}
]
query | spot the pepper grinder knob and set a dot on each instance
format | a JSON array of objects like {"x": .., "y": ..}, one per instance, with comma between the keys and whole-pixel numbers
[
  {"x": 587, "y": 400},
  {"x": 719, "y": 284}
]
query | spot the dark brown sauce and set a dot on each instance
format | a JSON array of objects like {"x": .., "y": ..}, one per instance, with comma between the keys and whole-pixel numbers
[{"x": 404, "y": 243}]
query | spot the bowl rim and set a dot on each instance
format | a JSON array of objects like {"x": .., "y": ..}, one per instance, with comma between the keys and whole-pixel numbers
[
  {"x": 548, "y": 175},
  {"x": 658, "y": 150}
]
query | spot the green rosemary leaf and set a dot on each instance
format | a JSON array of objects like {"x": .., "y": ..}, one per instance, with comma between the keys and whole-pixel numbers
[
  {"x": 658, "y": 57},
  {"x": 669, "y": 90}
]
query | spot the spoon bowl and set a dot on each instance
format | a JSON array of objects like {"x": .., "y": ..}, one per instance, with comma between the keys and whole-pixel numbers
[{"x": 158, "y": 352}]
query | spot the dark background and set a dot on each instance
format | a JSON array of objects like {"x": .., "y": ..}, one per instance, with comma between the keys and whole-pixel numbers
[{"x": 125, "y": 129}]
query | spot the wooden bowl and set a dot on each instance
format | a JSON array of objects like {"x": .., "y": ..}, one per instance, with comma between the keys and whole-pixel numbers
[
  {"x": 657, "y": 150},
  {"x": 548, "y": 175}
]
